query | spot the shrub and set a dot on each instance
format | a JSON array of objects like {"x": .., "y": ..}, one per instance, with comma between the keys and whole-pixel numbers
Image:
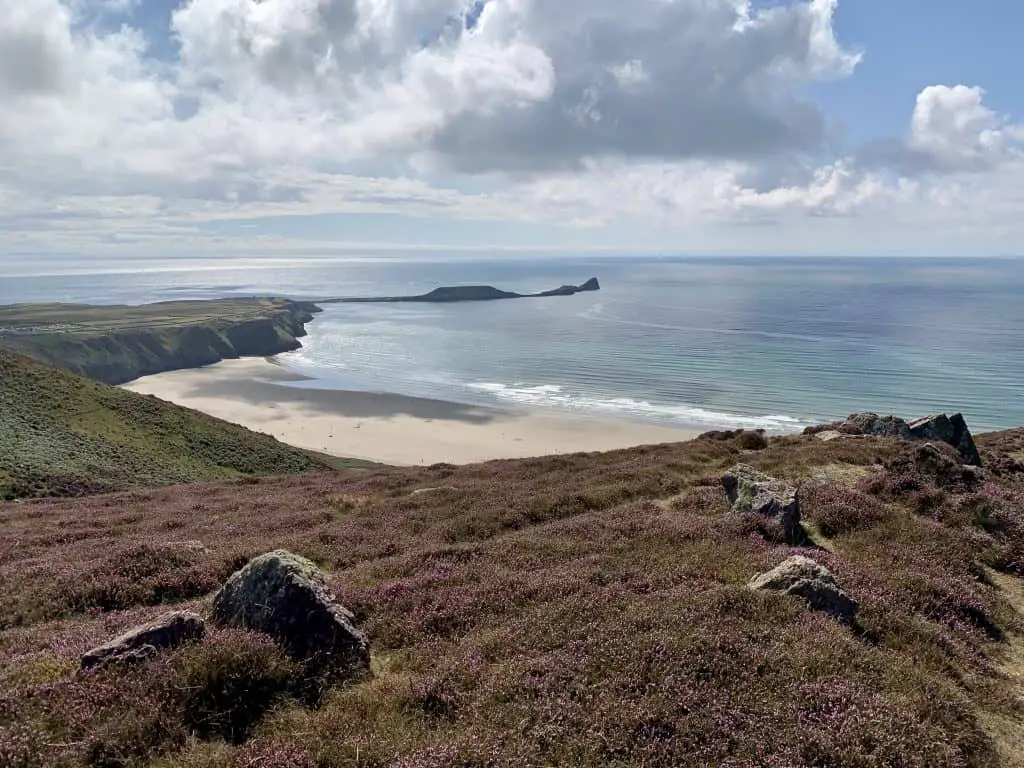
[
  {"x": 1004, "y": 517},
  {"x": 137, "y": 575},
  {"x": 752, "y": 441},
  {"x": 836, "y": 510},
  {"x": 134, "y": 736},
  {"x": 103, "y": 719},
  {"x": 229, "y": 682}
]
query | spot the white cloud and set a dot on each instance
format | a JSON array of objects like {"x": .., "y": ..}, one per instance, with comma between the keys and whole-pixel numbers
[
  {"x": 673, "y": 114},
  {"x": 507, "y": 93},
  {"x": 630, "y": 74},
  {"x": 954, "y": 130}
]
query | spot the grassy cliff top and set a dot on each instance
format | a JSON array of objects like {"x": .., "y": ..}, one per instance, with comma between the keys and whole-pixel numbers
[
  {"x": 31, "y": 319},
  {"x": 62, "y": 434},
  {"x": 116, "y": 344},
  {"x": 569, "y": 611}
]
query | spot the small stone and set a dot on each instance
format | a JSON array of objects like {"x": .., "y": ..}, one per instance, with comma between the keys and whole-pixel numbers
[
  {"x": 802, "y": 577},
  {"x": 144, "y": 642},
  {"x": 439, "y": 489}
]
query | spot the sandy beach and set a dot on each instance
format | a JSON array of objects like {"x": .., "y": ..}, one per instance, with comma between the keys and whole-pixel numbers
[{"x": 256, "y": 393}]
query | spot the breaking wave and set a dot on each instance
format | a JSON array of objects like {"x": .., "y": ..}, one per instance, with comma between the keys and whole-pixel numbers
[{"x": 555, "y": 396}]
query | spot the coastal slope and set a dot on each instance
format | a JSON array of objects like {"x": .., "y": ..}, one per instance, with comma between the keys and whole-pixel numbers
[
  {"x": 589, "y": 610},
  {"x": 65, "y": 435}
]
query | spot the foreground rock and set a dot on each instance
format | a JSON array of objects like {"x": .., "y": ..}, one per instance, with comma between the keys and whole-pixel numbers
[
  {"x": 943, "y": 465},
  {"x": 754, "y": 492},
  {"x": 803, "y": 577},
  {"x": 169, "y": 631},
  {"x": 285, "y": 596},
  {"x": 951, "y": 430}
]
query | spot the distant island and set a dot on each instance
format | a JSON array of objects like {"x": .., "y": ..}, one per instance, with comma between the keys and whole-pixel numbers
[{"x": 451, "y": 294}]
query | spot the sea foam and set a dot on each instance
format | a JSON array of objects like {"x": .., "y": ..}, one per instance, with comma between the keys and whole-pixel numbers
[{"x": 556, "y": 396}]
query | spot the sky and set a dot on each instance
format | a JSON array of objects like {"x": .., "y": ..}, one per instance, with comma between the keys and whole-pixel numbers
[{"x": 159, "y": 128}]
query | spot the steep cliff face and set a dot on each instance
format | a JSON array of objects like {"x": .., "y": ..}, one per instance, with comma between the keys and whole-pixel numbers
[{"x": 118, "y": 356}]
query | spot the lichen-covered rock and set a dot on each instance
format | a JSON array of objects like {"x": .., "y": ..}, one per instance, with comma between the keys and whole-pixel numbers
[
  {"x": 873, "y": 424},
  {"x": 751, "y": 491},
  {"x": 802, "y": 577},
  {"x": 286, "y": 597},
  {"x": 951, "y": 430},
  {"x": 138, "y": 644}
]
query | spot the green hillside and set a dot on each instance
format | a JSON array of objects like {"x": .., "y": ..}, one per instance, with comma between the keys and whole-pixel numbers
[{"x": 63, "y": 435}]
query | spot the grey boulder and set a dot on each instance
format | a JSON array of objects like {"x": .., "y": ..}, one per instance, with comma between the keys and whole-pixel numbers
[
  {"x": 802, "y": 577},
  {"x": 951, "y": 430},
  {"x": 753, "y": 492},
  {"x": 286, "y": 597},
  {"x": 873, "y": 424},
  {"x": 169, "y": 631}
]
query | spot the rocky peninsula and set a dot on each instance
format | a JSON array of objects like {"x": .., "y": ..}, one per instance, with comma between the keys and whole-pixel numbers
[{"x": 451, "y": 294}]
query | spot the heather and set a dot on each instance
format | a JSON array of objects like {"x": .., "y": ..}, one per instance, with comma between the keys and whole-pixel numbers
[
  {"x": 62, "y": 435},
  {"x": 582, "y": 610}
]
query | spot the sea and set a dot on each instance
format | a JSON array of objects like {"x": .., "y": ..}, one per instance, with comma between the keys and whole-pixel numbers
[{"x": 710, "y": 342}]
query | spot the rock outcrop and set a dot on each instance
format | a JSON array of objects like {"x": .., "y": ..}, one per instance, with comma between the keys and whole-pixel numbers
[
  {"x": 144, "y": 642},
  {"x": 802, "y": 577},
  {"x": 873, "y": 424},
  {"x": 571, "y": 290},
  {"x": 751, "y": 491},
  {"x": 286, "y": 597},
  {"x": 951, "y": 430}
]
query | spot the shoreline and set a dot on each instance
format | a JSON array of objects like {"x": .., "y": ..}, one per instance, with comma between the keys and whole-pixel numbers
[{"x": 388, "y": 428}]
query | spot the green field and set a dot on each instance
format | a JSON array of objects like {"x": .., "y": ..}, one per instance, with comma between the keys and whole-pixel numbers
[{"x": 63, "y": 435}]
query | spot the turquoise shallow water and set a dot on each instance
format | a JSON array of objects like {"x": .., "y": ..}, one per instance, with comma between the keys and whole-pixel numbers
[{"x": 776, "y": 343}]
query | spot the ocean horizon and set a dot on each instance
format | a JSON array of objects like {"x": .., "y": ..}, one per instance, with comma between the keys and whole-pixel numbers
[{"x": 722, "y": 342}]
